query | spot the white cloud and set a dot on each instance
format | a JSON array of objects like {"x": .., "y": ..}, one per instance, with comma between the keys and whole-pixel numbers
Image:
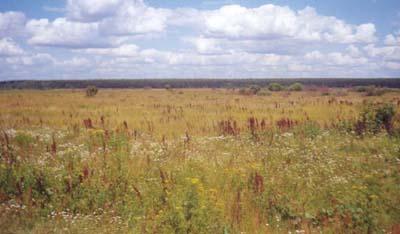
[
  {"x": 299, "y": 67},
  {"x": 240, "y": 22},
  {"x": 30, "y": 60},
  {"x": 75, "y": 62},
  {"x": 384, "y": 52},
  {"x": 9, "y": 48},
  {"x": 98, "y": 23},
  {"x": 186, "y": 17},
  {"x": 353, "y": 51},
  {"x": 126, "y": 50},
  {"x": 11, "y": 24},
  {"x": 134, "y": 20},
  {"x": 392, "y": 65},
  {"x": 102, "y": 37},
  {"x": 314, "y": 55},
  {"x": 335, "y": 59},
  {"x": 64, "y": 33},
  {"x": 392, "y": 40},
  {"x": 130, "y": 53},
  {"x": 205, "y": 45},
  {"x": 92, "y": 10},
  {"x": 272, "y": 21},
  {"x": 119, "y": 17}
]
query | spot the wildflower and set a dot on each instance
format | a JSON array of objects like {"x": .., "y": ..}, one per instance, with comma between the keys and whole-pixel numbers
[
  {"x": 194, "y": 180},
  {"x": 373, "y": 197}
]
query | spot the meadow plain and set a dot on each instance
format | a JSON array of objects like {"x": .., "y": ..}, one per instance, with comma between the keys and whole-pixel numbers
[{"x": 199, "y": 161}]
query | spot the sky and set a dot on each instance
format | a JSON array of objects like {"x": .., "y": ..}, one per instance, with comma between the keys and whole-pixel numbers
[{"x": 105, "y": 39}]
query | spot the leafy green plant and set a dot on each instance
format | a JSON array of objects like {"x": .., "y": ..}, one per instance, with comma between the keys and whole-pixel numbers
[
  {"x": 252, "y": 90},
  {"x": 275, "y": 87},
  {"x": 296, "y": 87},
  {"x": 374, "y": 118}
]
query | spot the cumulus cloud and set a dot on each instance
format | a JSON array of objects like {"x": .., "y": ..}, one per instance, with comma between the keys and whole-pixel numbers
[
  {"x": 205, "y": 45},
  {"x": 134, "y": 20},
  {"x": 129, "y": 38},
  {"x": 119, "y": 17},
  {"x": 30, "y": 60},
  {"x": 353, "y": 51},
  {"x": 335, "y": 59},
  {"x": 392, "y": 40},
  {"x": 272, "y": 21},
  {"x": 384, "y": 52},
  {"x": 92, "y": 10},
  {"x": 11, "y": 24},
  {"x": 64, "y": 33},
  {"x": 97, "y": 23},
  {"x": 299, "y": 67},
  {"x": 125, "y": 50},
  {"x": 132, "y": 54},
  {"x": 9, "y": 48},
  {"x": 75, "y": 62},
  {"x": 89, "y": 22}
]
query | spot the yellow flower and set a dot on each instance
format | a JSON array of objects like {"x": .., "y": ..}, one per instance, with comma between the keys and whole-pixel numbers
[
  {"x": 194, "y": 180},
  {"x": 373, "y": 196}
]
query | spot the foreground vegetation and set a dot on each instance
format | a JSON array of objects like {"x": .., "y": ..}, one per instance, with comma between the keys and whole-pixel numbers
[{"x": 199, "y": 161}]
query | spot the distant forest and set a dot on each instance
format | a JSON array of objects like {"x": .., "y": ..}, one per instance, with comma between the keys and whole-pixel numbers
[{"x": 194, "y": 83}]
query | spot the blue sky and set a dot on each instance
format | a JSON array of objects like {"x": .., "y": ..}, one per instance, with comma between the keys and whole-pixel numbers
[{"x": 85, "y": 39}]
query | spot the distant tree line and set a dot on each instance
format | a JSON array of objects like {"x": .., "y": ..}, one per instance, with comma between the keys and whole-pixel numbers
[{"x": 196, "y": 83}]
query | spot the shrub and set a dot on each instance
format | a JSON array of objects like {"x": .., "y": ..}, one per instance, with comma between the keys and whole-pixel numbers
[
  {"x": 254, "y": 89},
  {"x": 384, "y": 117},
  {"x": 264, "y": 92},
  {"x": 360, "y": 89},
  {"x": 373, "y": 91},
  {"x": 91, "y": 91},
  {"x": 374, "y": 118},
  {"x": 275, "y": 87},
  {"x": 296, "y": 87}
]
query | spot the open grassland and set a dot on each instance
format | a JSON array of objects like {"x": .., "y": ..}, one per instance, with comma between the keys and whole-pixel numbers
[{"x": 199, "y": 161}]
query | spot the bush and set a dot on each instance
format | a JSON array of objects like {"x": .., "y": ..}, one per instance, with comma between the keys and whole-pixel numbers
[
  {"x": 360, "y": 89},
  {"x": 252, "y": 90},
  {"x": 296, "y": 87},
  {"x": 375, "y": 118},
  {"x": 384, "y": 117},
  {"x": 373, "y": 91},
  {"x": 275, "y": 87},
  {"x": 91, "y": 91},
  {"x": 264, "y": 92}
]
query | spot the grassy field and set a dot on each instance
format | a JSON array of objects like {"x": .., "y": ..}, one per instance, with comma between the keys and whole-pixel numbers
[{"x": 199, "y": 161}]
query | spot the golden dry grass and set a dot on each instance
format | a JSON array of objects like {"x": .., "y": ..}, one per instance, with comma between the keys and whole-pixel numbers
[{"x": 174, "y": 170}]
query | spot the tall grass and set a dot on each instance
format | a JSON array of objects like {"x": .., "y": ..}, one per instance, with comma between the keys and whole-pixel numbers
[{"x": 199, "y": 161}]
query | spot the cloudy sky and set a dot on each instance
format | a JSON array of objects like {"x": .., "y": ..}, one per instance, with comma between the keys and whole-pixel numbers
[{"x": 80, "y": 39}]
